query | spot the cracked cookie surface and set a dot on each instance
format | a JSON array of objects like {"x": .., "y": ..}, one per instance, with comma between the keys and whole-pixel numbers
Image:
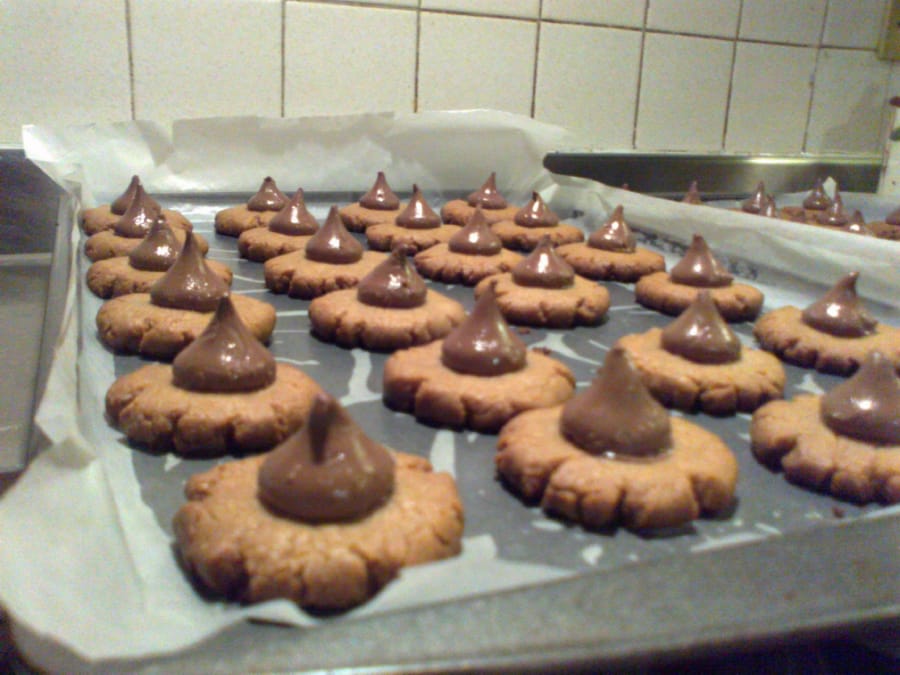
[
  {"x": 237, "y": 219},
  {"x": 595, "y": 263},
  {"x": 260, "y": 243},
  {"x": 736, "y": 302},
  {"x": 358, "y": 218},
  {"x": 521, "y": 238},
  {"x": 108, "y": 244},
  {"x": 300, "y": 277},
  {"x": 102, "y": 218},
  {"x": 241, "y": 549},
  {"x": 113, "y": 277},
  {"x": 384, "y": 236},
  {"x": 442, "y": 264}
]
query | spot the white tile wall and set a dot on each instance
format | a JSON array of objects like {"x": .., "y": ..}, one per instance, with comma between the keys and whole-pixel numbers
[{"x": 700, "y": 75}]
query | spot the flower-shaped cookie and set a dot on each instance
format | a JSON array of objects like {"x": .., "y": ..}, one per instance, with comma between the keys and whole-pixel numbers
[
  {"x": 257, "y": 212},
  {"x": 415, "y": 228},
  {"x": 286, "y": 232},
  {"x": 105, "y": 216}
]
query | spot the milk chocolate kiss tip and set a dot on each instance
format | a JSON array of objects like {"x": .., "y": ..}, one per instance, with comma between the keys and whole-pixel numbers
[
  {"x": 380, "y": 196},
  {"x": 394, "y": 283},
  {"x": 614, "y": 234},
  {"x": 294, "y": 219},
  {"x": 616, "y": 416},
  {"x": 700, "y": 333},
  {"x": 418, "y": 215},
  {"x": 226, "y": 357},
  {"x": 536, "y": 213},
  {"x": 483, "y": 344},
  {"x": 543, "y": 268},
  {"x": 699, "y": 267},
  {"x": 487, "y": 196},
  {"x": 268, "y": 197},
  {"x": 757, "y": 201},
  {"x": 692, "y": 196},
  {"x": 328, "y": 471},
  {"x": 867, "y": 405},
  {"x": 333, "y": 243},
  {"x": 189, "y": 283},
  {"x": 120, "y": 204},
  {"x": 158, "y": 251},
  {"x": 476, "y": 237},
  {"x": 840, "y": 312}
]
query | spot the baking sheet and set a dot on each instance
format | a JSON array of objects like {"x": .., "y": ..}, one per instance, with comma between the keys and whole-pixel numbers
[{"x": 116, "y": 591}]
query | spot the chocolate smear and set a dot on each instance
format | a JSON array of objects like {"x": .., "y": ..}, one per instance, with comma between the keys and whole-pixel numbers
[
  {"x": 380, "y": 197},
  {"x": 487, "y": 196},
  {"x": 394, "y": 283},
  {"x": 840, "y": 312},
  {"x": 700, "y": 334},
  {"x": 867, "y": 405},
  {"x": 700, "y": 268},
  {"x": 333, "y": 243},
  {"x": 476, "y": 237},
  {"x": 418, "y": 215},
  {"x": 614, "y": 234},
  {"x": 294, "y": 219},
  {"x": 158, "y": 250},
  {"x": 189, "y": 283},
  {"x": 536, "y": 213},
  {"x": 268, "y": 197},
  {"x": 543, "y": 268}
]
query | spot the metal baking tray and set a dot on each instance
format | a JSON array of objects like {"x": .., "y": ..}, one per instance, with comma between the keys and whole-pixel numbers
[{"x": 785, "y": 564}]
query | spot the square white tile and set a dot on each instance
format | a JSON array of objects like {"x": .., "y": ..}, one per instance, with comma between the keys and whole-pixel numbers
[
  {"x": 718, "y": 18},
  {"x": 195, "y": 58},
  {"x": 392, "y": 3},
  {"x": 628, "y": 13},
  {"x": 684, "y": 91},
  {"x": 854, "y": 24},
  {"x": 523, "y": 9},
  {"x": 341, "y": 59},
  {"x": 849, "y": 106},
  {"x": 770, "y": 96},
  {"x": 64, "y": 62},
  {"x": 793, "y": 21},
  {"x": 587, "y": 82},
  {"x": 468, "y": 62}
]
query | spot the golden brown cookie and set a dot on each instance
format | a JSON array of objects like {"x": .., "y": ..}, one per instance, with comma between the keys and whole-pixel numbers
[
  {"x": 113, "y": 277},
  {"x": 697, "y": 476},
  {"x": 130, "y": 324},
  {"x": 102, "y": 218},
  {"x": 417, "y": 381},
  {"x": 784, "y": 332},
  {"x": 716, "y": 388},
  {"x": 442, "y": 264},
  {"x": 384, "y": 236},
  {"x": 736, "y": 302},
  {"x": 458, "y": 211},
  {"x": 300, "y": 277},
  {"x": 527, "y": 238},
  {"x": 244, "y": 551},
  {"x": 583, "y": 303},
  {"x": 595, "y": 263},
  {"x": 792, "y": 435},
  {"x": 234, "y": 220},
  {"x": 108, "y": 244},
  {"x": 153, "y": 412},
  {"x": 340, "y": 317},
  {"x": 357, "y": 218},
  {"x": 260, "y": 244}
]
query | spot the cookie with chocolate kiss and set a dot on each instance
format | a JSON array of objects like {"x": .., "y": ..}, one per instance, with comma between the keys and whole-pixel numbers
[
  {"x": 105, "y": 216},
  {"x": 129, "y": 230},
  {"x": 472, "y": 253},
  {"x": 344, "y": 513},
  {"x": 223, "y": 393},
  {"x": 287, "y": 231},
  {"x": 610, "y": 253},
  {"x": 478, "y": 377},
  {"x": 331, "y": 260},
  {"x": 845, "y": 442},
  {"x": 833, "y": 335},
  {"x": 390, "y": 309},
  {"x": 379, "y": 205},
  {"x": 543, "y": 290},
  {"x": 257, "y": 212},
  {"x": 488, "y": 198},
  {"x": 176, "y": 309},
  {"x": 532, "y": 223},
  {"x": 698, "y": 363},
  {"x": 415, "y": 228},
  {"x": 147, "y": 262},
  {"x": 673, "y": 292},
  {"x": 611, "y": 455},
  {"x": 692, "y": 196}
]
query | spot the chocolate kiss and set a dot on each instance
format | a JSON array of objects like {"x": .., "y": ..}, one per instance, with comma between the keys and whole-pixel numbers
[
  {"x": 135, "y": 222},
  {"x": 834, "y": 215},
  {"x": 857, "y": 225},
  {"x": 893, "y": 218},
  {"x": 839, "y": 312},
  {"x": 817, "y": 199},
  {"x": 393, "y": 283},
  {"x": 866, "y": 406},
  {"x": 328, "y": 471},
  {"x": 700, "y": 333},
  {"x": 476, "y": 238},
  {"x": 543, "y": 268},
  {"x": 614, "y": 234},
  {"x": 483, "y": 344},
  {"x": 380, "y": 196},
  {"x": 123, "y": 201},
  {"x": 757, "y": 201},
  {"x": 158, "y": 250},
  {"x": 332, "y": 243},
  {"x": 487, "y": 196},
  {"x": 189, "y": 283},
  {"x": 536, "y": 213},
  {"x": 225, "y": 357},
  {"x": 616, "y": 415},
  {"x": 692, "y": 196},
  {"x": 699, "y": 267},
  {"x": 268, "y": 197},
  {"x": 769, "y": 210},
  {"x": 294, "y": 219},
  {"x": 418, "y": 215}
]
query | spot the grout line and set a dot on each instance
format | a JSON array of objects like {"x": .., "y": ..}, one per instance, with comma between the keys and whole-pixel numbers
[
  {"x": 130, "y": 41},
  {"x": 537, "y": 54},
  {"x": 640, "y": 74},
  {"x": 283, "y": 53},
  {"x": 417, "y": 56},
  {"x": 812, "y": 88},
  {"x": 737, "y": 32}
]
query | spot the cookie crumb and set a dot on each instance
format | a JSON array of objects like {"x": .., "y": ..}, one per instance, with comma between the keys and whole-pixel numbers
[{"x": 838, "y": 512}]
